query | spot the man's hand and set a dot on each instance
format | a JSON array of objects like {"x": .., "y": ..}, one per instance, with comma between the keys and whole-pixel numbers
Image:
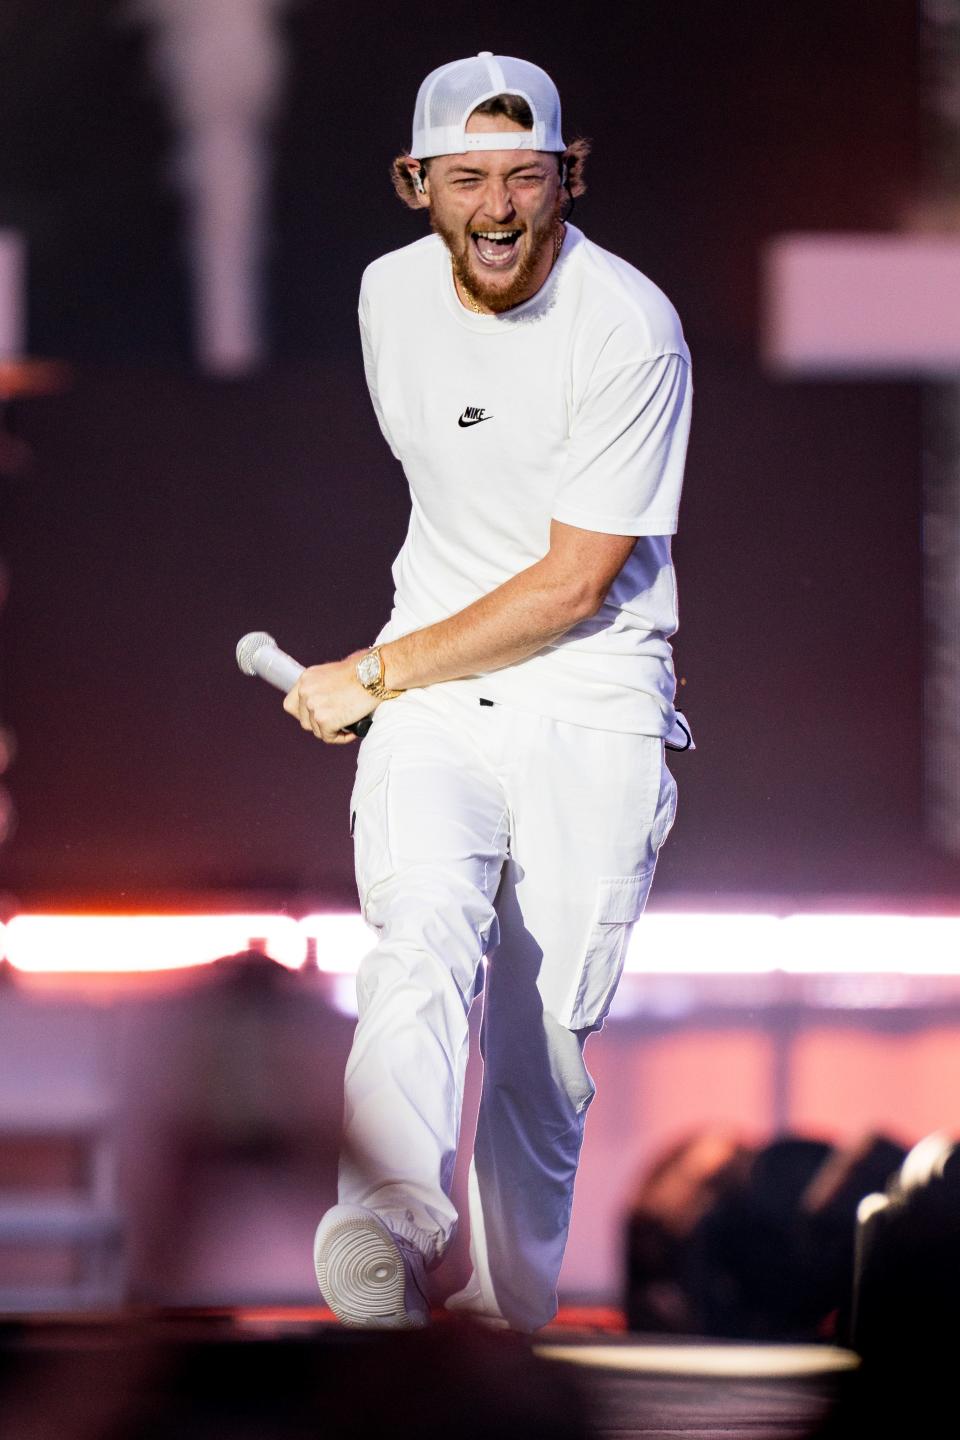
[{"x": 328, "y": 697}]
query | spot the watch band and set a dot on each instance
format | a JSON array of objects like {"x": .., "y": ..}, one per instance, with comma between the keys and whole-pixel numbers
[
  {"x": 372, "y": 664},
  {"x": 380, "y": 692}
]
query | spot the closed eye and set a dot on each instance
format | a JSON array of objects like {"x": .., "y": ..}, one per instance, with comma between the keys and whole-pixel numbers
[{"x": 464, "y": 181}]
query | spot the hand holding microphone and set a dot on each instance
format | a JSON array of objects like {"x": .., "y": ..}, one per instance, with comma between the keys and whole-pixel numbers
[{"x": 257, "y": 654}]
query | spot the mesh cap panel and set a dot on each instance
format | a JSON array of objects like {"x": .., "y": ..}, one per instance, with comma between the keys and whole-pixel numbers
[{"x": 450, "y": 94}]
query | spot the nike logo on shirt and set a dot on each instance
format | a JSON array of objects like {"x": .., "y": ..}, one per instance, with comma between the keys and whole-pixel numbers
[{"x": 472, "y": 415}]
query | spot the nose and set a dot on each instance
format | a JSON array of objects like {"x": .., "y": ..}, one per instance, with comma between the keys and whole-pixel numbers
[{"x": 497, "y": 202}]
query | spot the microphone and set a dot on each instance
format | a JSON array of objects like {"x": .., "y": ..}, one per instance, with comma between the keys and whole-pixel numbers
[{"x": 257, "y": 654}]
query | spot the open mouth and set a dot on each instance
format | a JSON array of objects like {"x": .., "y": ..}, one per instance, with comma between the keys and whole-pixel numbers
[{"x": 496, "y": 249}]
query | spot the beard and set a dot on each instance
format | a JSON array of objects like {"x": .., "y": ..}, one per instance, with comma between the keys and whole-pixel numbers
[{"x": 499, "y": 297}]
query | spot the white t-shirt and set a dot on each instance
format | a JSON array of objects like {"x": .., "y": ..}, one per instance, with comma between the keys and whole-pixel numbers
[{"x": 573, "y": 406}]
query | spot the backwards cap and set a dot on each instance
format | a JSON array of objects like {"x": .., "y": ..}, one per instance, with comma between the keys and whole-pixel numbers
[{"x": 450, "y": 94}]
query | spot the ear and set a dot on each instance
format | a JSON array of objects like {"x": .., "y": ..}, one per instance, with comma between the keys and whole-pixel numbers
[{"x": 420, "y": 180}]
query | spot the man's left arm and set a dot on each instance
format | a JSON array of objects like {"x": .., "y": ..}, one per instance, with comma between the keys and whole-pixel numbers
[
  {"x": 622, "y": 478},
  {"x": 532, "y": 609}
]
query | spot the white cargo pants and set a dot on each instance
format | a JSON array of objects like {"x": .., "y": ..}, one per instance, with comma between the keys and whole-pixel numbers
[{"x": 485, "y": 831}]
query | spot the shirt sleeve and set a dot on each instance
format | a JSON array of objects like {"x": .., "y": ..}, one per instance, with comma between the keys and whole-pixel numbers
[
  {"x": 370, "y": 369},
  {"x": 627, "y": 447}
]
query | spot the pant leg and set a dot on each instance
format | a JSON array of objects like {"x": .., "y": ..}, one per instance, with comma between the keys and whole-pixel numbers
[
  {"x": 589, "y": 813},
  {"x": 430, "y": 824}
]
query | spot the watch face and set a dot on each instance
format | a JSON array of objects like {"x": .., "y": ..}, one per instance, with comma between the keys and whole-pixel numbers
[{"x": 368, "y": 670}]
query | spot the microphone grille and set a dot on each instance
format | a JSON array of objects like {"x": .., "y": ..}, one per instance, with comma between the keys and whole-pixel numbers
[{"x": 248, "y": 647}]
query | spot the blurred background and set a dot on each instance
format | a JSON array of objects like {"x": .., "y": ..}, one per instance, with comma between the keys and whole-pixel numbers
[{"x": 189, "y": 192}]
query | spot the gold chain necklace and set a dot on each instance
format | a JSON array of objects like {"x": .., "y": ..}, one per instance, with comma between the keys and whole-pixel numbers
[{"x": 558, "y": 239}]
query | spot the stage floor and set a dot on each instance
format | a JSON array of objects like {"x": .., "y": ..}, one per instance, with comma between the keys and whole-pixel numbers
[{"x": 279, "y": 1373}]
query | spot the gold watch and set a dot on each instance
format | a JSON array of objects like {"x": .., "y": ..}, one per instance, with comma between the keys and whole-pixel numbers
[{"x": 371, "y": 676}]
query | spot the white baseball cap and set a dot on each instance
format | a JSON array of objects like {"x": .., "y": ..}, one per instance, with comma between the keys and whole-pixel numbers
[{"x": 450, "y": 94}]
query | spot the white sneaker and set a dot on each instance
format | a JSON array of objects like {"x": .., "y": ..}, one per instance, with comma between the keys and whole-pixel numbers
[
  {"x": 470, "y": 1302},
  {"x": 368, "y": 1276}
]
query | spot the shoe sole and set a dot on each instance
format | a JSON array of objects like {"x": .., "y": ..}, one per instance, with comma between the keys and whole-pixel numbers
[{"x": 361, "y": 1273}]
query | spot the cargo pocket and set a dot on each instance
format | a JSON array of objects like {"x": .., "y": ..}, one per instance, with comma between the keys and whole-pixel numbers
[
  {"x": 369, "y": 826},
  {"x": 620, "y": 901}
]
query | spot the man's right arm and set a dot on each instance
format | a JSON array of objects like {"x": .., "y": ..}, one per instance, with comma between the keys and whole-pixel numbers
[{"x": 370, "y": 368}]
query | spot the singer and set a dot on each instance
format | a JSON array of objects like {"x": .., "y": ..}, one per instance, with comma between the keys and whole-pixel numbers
[{"x": 512, "y": 795}]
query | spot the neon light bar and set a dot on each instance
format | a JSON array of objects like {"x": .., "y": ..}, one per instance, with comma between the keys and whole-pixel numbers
[
  {"x": 87, "y": 944},
  {"x": 690, "y": 943},
  {"x": 694, "y": 944},
  {"x": 341, "y": 941},
  {"x": 872, "y": 944}
]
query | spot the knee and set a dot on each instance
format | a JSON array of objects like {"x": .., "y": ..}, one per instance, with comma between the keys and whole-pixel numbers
[
  {"x": 569, "y": 1067},
  {"x": 429, "y": 926},
  {"x": 542, "y": 1070}
]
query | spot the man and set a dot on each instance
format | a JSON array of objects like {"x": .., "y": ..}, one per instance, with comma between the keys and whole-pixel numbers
[{"x": 511, "y": 795}]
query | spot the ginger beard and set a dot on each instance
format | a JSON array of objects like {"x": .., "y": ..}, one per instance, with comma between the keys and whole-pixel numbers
[{"x": 499, "y": 290}]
